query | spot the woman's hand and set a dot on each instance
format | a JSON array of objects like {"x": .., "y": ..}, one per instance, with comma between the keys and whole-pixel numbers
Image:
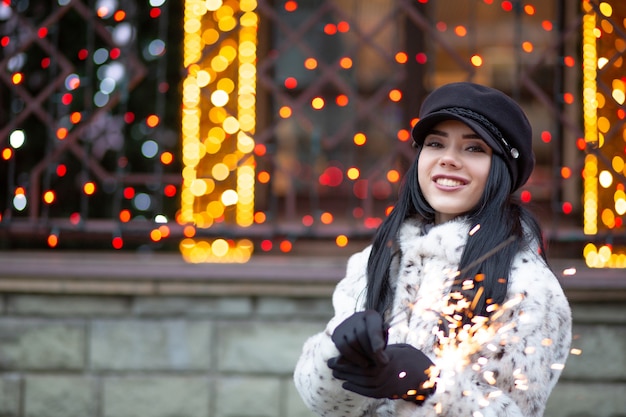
[
  {"x": 361, "y": 338},
  {"x": 401, "y": 375}
]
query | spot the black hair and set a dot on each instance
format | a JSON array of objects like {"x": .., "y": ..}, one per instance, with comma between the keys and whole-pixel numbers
[{"x": 488, "y": 253}]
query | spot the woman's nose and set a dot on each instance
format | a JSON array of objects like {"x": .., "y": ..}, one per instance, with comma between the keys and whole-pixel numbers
[{"x": 450, "y": 158}]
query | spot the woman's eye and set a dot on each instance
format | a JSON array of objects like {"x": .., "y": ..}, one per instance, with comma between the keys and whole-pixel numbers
[
  {"x": 476, "y": 148},
  {"x": 433, "y": 144}
]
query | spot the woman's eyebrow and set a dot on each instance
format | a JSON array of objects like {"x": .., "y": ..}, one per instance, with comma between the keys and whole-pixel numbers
[
  {"x": 437, "y": 132},
  {"x": 445, "y": 134},
  {"x": 472, "y": 136}
]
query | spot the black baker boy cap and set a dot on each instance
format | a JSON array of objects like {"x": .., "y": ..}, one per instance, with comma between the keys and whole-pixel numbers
[{"x": 493, "y": 115}]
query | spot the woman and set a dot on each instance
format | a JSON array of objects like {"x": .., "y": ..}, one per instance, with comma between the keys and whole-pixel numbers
[{"x": 453, "y": 310}]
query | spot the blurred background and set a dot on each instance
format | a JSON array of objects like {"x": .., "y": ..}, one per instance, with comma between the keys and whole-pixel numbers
[{"x": 182, "y": 182}]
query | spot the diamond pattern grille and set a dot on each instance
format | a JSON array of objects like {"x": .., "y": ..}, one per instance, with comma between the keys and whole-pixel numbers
[{"x": 342, "y": 53}]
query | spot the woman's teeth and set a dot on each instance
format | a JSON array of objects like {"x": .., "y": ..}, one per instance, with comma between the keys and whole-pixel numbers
[{"x": 448, "y": 182}]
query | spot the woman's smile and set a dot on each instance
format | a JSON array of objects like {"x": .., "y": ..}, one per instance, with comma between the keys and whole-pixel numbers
[{"x": 449, "y": 182}]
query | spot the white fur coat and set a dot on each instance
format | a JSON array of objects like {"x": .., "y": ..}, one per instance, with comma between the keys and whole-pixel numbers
[{"x": 507, "y": 369}]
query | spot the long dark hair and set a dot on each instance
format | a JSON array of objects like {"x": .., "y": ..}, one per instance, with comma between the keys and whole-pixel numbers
[{"x": 490, "y": 252}]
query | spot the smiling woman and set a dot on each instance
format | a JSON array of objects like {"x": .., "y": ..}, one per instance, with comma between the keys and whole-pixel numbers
[{"x": 453, "y": 310}]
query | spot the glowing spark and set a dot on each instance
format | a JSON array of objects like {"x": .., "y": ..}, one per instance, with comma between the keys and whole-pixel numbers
[
  {"x": 529, "y": 350},
  {"x": 474, "y": 230},
  {"x": 569, "y": 271},
  {"x": 557, "y": 366},
  {"x": 546, "y": 342},
  {"x": 495, "y": 394},
  {"x": 489, "y": 377},
  {"x": 479, "y": 294},
  {"x": 468, "y": 284},
  {"x": 575, "y": 351}
]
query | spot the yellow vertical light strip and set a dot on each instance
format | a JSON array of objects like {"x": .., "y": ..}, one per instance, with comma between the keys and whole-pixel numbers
[
  {"x": 604, "y": 93},
  {"x": 247, "y": 112},
  {"x": 590, "y": 116},
  {"x": 218, "y": 119}
]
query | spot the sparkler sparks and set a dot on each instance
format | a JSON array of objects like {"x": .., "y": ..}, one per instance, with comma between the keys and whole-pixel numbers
[{"x": 464, "y": 342}]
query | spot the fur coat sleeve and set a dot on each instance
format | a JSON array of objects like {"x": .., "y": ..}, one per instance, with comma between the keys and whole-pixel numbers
[{"x": 505, "y": 368}]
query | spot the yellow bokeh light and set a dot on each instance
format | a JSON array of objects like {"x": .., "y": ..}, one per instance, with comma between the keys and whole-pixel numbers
[
  {"x": 359, "y": 139},
  {"x": 213, "y": 5},
  {"x": 220, "y": 171},
  {"x": 284, "y": 112},
  {"x": 605, "y": 178},
  {"x": 220, "y": 247},
  {"x": 229, "y": 198},
  {"x": 341, "y": 241},
  {"x": 310, "y": 63},
  {"x": 317, "y": 103},
  {"x": 219, "y": 98},
  {"x": 49, "y": 197},
  {"x": 606, "y": 9},
  {"x": 476, "y": 60},
  {"x": 345, "y": 62},
  {"x": 353, "y": 173}
]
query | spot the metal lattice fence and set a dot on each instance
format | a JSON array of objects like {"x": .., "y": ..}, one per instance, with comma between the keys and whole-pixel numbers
[{"x": 90, "y": 134}]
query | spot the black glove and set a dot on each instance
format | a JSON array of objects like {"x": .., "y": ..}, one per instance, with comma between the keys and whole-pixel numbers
[
  {"x": 361, "y": 338},
  {"x": 402, "y": 375}
]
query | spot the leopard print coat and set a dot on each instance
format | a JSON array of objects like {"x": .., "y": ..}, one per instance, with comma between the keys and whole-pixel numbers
[{"x": 507, "y": 369}]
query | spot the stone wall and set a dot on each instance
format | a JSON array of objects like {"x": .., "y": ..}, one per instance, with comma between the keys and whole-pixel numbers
[
  {"x": 63, "y": 356},
  {"x": 220, "y": 347}
]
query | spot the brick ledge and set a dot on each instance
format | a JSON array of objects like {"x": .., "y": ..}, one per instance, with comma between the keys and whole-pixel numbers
[{"x": 121, "y": 273}]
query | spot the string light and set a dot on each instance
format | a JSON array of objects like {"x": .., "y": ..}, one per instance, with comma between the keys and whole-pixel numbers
[
  {"x": 218, "y": 151},
  {"x": 603, "y": 205}
]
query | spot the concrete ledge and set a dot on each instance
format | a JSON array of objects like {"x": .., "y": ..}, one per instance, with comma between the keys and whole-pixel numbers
[{"x": 168, "y": 274}]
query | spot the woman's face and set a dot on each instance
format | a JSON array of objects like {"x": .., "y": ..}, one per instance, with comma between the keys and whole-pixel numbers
[{"x": 452, "y": 169}]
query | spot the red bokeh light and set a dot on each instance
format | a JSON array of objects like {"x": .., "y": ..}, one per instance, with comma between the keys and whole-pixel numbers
[
  {"x": 330, "y": 29},
  {"x": 169, "y": 190},
  {"x": 291, "y": 6},
  {"x": 291, "y": 83},
  {"x": 421, "y": 58},
  {"x": 307, "y": 220},
  {"x": 61, "y": 170},
  {"x": 117, "y": 242},
  {"x": 332, "y": 177},
  {"x": 567, "y": 207}
]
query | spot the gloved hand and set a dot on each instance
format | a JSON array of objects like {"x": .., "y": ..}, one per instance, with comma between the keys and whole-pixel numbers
[
  {"x": 401, "y": 375},
  {"x": 361, "y": 338}
]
